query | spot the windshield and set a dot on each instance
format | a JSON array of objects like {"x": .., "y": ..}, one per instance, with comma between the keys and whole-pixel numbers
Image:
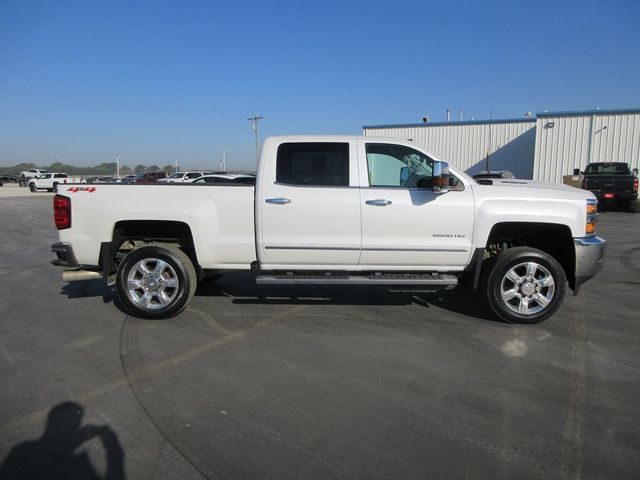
[{"x": 177, "y": 175}]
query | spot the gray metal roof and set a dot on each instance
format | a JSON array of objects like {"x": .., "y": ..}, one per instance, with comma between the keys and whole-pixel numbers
[
  {"x": 454, "y": 123},
  {"x": 596, "y": 111},
  {"x": 566, "y": 113}
]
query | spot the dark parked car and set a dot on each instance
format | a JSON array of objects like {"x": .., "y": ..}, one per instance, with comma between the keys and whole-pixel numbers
[
  {"x": 149, "y": 177},
  {"x": 612, "y": 183},
  {"x": 8, "y": 179}
]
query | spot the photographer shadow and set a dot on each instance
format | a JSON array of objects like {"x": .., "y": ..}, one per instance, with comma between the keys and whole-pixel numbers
[{"x": 55, "y": 454}]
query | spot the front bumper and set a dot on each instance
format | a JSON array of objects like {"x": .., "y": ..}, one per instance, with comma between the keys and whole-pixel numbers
[{"x": 590, "y": 253}]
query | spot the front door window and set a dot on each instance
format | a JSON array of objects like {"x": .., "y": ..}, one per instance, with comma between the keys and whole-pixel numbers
[{"x": 396, "y": 166}]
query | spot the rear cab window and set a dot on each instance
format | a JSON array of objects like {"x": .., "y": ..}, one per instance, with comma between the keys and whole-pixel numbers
[{"x": 313, "y": 164}]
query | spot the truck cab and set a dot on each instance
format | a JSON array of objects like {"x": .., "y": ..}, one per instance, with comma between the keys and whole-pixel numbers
[{"x": 359, "y": 205}]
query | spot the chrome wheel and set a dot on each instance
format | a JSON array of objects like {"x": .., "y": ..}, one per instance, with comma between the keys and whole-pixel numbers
[
  {"x": 527, "y": 288},
  {"x": 152, "y": 283},
  {"x": 156, "y": 281},
  {"x": 525, "y": 285}
]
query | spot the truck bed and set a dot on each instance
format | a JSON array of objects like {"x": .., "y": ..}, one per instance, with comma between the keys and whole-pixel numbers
[{"x": 220, "y": 218}]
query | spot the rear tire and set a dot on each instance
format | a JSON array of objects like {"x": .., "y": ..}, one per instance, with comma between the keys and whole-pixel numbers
[
  {"x": 525, "y": 285},
  {"x": 32, "y": 187},
  {"x": 156, "y": 281}
]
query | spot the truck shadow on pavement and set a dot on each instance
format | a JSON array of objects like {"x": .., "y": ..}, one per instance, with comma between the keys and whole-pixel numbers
[
  {"x": 243, "y": 291},
  {"x": 241, "y": 287},
  {"x": 58, "y": 452}
]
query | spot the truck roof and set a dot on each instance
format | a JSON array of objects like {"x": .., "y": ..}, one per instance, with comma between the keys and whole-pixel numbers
[{"x": 349, "y": 138}]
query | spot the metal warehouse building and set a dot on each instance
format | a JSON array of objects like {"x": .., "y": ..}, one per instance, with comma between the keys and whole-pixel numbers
[{"x": 546, "y": 147}]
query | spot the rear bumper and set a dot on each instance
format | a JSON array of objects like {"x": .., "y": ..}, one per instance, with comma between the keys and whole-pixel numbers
[
  {"x": 64, "y": 252},
  {"x": 74, "y": 272},
  {"x": 614, "y": 197},
  {"x": 590, "y": 253}
]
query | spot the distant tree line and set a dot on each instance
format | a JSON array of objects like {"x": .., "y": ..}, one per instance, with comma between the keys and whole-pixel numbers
[{"x": 102, "y": 170}]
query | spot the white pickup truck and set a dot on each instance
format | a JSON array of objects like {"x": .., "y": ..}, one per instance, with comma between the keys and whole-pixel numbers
[
  {"x": 49, "y": 181},
  {"x": 335, "y": 210}
]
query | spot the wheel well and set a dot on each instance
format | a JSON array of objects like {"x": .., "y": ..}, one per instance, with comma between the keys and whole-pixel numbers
[
  {"x": 554, "y": 239},
  {"x": 133, "y": 233}
]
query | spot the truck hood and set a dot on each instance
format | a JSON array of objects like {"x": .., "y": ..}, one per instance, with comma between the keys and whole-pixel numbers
[
  {"x": 517, "y": 188},
  {"x": 516, "y": 182}
]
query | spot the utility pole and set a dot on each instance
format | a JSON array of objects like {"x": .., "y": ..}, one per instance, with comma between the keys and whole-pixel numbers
[
  {"x": 254, "y": 124},
  {"x": 489, "y": 150},
  {"x": 224, "y": 161},
  {"x": 117, "y": 165},
  {"x": 176, "y": 168}
]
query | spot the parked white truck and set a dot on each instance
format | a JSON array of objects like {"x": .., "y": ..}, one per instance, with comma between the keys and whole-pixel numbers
[
  {"x": 335, "y": 210},
  {"x": 49, "y": 181}
]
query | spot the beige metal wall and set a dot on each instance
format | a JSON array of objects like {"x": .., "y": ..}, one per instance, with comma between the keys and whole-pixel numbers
[
  {"x": 510, "y": 144},
  {"x": 565, "y": 142}
]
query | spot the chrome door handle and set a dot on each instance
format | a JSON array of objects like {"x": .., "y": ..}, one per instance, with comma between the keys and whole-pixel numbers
[
  {"x": 379, "y": 202},
  {"x": 278, "y": 201}
]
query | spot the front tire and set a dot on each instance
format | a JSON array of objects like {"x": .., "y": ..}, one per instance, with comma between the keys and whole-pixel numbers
[
  {"x": 32, "y": 187},
  {"x": 526, "y": 285},
  {"x": 156, "y": 281}
]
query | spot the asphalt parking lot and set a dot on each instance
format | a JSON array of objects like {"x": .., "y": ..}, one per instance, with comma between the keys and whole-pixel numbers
[{"x": 278, "y": 383}]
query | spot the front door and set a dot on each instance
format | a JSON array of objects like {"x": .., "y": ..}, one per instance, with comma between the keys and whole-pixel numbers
[{"x": 405, "y": 226}]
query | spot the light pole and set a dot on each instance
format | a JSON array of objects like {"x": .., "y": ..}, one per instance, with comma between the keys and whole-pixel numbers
[
  {"x": 117, "y": 166},
  {"x": 224, "y": 161},
  {"x": 254, "y": 124}
]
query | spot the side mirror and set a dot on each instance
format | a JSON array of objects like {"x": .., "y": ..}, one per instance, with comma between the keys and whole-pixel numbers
[
  {"x": 635, "y": 171},
  {"x": 441, "y": 177}
]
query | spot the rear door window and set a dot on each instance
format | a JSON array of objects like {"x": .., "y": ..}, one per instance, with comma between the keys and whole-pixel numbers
[{"x": 321, "y": 164}]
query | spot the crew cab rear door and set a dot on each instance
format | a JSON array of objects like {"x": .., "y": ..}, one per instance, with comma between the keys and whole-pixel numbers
[
  {"x": 308, "y": 205},
  {"x": 404, "y": 226}
]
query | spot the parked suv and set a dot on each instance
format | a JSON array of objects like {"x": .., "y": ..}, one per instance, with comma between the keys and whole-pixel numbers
[{"x": 27, "y": 175}]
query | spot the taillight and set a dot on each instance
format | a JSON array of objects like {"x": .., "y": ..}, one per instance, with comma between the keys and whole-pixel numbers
[
  {"x": 583, "y": 185},
  {"x": 62, "y": 212},
  {"x": 635, "y": 184},
  {"x": 592, "y": 217}
]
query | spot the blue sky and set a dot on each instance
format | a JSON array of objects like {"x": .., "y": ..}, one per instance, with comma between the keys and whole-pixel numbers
[{"x": 82, "y": 81}]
